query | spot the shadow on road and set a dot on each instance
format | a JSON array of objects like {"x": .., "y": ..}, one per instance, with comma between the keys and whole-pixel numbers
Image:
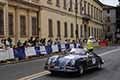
[{"x": 74, "y": 75}]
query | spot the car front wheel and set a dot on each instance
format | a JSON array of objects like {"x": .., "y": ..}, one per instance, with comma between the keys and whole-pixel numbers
[
  {"x": 99, "y": 66},
  {"x": 53, "y": 72},
  {"x": 81, "y": 70}
]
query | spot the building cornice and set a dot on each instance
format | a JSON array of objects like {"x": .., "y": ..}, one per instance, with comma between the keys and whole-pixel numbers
[
  {"x": 3, "y": 2},
  {"x": 100, "y": 3},
  {"x": 27, "y": 2},
  {"x": 23, "y": 5},
  {"x": 108, "y": 7}
]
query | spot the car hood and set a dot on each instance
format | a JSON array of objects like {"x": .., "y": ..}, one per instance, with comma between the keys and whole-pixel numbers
[
  {"x": 63, "y": 60},
  {"x": 72, "y": 57}
]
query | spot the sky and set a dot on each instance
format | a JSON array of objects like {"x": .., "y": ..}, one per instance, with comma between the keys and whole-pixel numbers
[{"x": 110, "y": 2}]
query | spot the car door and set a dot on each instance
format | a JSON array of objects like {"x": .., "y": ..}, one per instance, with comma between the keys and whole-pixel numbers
[{"x": 91, "y": 61}]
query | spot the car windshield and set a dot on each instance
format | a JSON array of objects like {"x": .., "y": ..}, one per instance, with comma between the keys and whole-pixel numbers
[{"x": 78, "y": 51}]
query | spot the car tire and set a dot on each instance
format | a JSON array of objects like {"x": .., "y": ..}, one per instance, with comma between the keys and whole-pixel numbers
[
  {"x": 81, "y": 70},
  {"x": 99, "y": 66},
  {"x": 53, "y": 72}
]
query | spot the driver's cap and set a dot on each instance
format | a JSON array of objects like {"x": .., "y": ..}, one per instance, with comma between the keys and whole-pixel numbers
[{"x": 91, "y": 37}]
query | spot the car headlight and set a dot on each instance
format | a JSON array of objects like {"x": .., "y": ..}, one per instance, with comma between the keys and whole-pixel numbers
[
  {"x": 103, "y": 61},
  {"x": 72, "y": 62},
  {"x": 49, "y": 60}
]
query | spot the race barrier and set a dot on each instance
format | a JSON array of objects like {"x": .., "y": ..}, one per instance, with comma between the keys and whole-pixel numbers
[
  {"x": 24, "y": 52},
  {"x": 6, "y": 54},
  {"x": 103, "y": 43},
  {"x": 55, "y": 48}
]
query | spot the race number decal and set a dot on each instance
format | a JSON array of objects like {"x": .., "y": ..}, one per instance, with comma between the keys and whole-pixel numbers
[{"x": 93, "y": 60}]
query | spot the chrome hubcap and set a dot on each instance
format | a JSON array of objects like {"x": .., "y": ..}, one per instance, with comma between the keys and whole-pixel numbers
[
  {"x": 81, "y": 70},
  {"x": 99, "y": 66}
]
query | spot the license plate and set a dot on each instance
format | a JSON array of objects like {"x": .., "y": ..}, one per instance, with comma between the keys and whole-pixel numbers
[
  {"x": 56, "y": 67},
  {"x": 50, "y": 66}
]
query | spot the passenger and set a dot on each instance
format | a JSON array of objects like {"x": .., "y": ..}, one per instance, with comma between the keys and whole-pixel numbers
[{"x": 90, "y": 46}]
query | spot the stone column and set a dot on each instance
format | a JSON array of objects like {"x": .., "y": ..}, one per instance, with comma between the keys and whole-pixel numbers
[
  {"x": 28, "y": 24},
  {"x": 5, "y": 12},
  {"x": 16, "y": 25},
  {"x": 39, "y": 23}
]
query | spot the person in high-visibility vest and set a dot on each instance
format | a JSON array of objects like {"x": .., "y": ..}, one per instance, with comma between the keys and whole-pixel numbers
[{"x": 90, "y": 45}]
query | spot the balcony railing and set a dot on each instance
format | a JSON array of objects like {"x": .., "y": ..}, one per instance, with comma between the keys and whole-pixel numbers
[
  {"x": 86, "y": 17},
  {"x": 3, "y": 1},
  {"x": 32, "y": 1}
]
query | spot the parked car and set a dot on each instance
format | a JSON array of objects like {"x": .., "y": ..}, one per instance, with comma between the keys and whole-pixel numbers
[{"x": 76, "y": 60}]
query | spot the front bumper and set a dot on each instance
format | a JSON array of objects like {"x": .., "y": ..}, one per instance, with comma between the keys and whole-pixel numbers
[
  {"x": 103, "y": 61},
  {"x": 61, "y": 68}
]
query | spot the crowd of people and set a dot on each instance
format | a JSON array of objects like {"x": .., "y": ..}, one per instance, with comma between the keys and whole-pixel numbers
[{"x": 5, "y": 43}]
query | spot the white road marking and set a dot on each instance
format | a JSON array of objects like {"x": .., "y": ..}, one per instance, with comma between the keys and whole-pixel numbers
[
  {"x": 47, "y": 72},
  {"x": 109, "y": 52},
  {"x": 35, "y": 75}
]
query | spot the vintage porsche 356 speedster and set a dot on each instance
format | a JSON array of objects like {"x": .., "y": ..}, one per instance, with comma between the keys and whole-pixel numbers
[{"x": 75, "y": 60}]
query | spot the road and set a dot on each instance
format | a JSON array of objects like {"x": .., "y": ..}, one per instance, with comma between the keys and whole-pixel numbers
[{"x": 111, "y": 69}]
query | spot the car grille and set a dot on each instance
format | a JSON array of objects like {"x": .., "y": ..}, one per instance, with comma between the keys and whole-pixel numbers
[{"x": 62, "y": 62}]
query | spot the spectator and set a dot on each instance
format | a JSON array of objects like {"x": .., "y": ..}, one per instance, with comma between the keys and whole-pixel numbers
[
  {"x": 57, "y": 41},
  {"x": 85, "y": 40},
  {"x": 9, "y": 42},
  {"x": 36, "y": 42},
  {"x": 6, "y": 43},
  {"x": 49, "y": 42},
  {"x": 73, "y": 41},
  {"x": 44, "y": 42},
  {"x": 80, "y": 42},
  {"x": 66, "y": 41},
  {"x": 2, "y": 44},
  {"x": 19, "y": 43},
  {"x": 67, "y": 44},
  {"x": 25, "y": 44},
  {"x": 31, "y": 41}
]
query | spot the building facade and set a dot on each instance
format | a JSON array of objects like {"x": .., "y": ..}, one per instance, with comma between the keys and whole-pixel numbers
[
  {"x": 65, "y": 19},
  {"x": 3, "y": 18},
  {"x": 59, "y": 18},
  {"x": 117, "y": 23},
  {"x": 109, "y": 13},
  {"x": 20, "y": 20}
]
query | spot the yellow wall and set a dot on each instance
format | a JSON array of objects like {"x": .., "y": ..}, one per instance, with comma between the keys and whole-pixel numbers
[
  {"x": 47, "y": 11},
  {"x": 17, "y": 12},
  {"x": 59, "y": 13}
]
